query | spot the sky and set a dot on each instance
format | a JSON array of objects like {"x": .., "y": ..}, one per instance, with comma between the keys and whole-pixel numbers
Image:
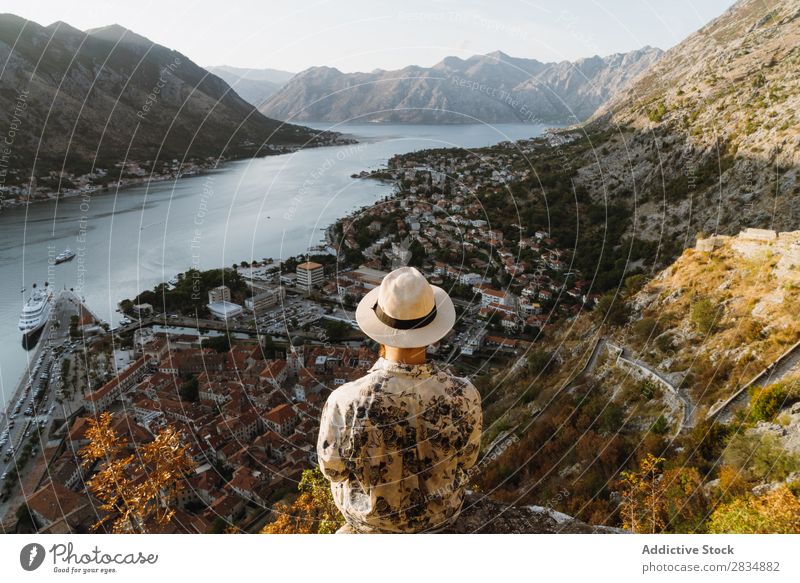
[{"x": 363, "y": 35}]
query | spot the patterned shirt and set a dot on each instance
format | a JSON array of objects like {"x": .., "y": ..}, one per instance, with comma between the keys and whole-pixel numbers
[{"x": 397, "y": 445}]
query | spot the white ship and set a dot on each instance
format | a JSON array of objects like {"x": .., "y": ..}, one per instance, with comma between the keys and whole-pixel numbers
[
  {"x": 65, "y": 255},
  {"x": 36, "y": 310}
]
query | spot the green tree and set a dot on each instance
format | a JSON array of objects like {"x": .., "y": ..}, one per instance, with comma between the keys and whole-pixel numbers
[
  {"x": 612, "y": 418},
  {"x": 539, "y": 362},
  {"x": 335, "y": 330},
  {"x": 221, "y": 343},
  {"x": 25, "y": 519},
  {"x": 760, "y": 457},
  {"x": 612, "y": 309},
  {"x": 190, "y": 390}
]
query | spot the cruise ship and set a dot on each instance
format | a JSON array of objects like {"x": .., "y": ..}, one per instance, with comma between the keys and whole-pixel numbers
[
  {"x": 36, "y": 311},
  {"x": 65, "y": 255}
]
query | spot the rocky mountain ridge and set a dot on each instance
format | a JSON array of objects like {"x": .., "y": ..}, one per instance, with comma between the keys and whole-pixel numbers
[{"x": 490, "y": 88}]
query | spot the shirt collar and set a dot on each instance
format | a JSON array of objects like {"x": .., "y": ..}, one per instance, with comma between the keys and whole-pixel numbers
[{"x": 414, "y": 370}]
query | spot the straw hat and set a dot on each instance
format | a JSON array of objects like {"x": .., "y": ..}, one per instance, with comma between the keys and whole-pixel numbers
[{"x": 406, "y": 311}]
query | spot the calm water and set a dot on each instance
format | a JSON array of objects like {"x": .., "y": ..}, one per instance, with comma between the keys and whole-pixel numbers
[{"x": 269, "y": 207}]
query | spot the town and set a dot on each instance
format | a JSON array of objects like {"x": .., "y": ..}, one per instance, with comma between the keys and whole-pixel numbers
[{"x": 243, "y": 369}]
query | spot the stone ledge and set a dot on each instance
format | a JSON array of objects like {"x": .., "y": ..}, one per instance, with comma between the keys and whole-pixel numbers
[{"x": 482, "y": 515}]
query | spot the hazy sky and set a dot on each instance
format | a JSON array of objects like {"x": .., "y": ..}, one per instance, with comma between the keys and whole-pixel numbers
[{"x": 361, "y": 35}]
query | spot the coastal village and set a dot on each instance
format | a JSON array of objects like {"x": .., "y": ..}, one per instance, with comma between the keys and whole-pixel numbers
[{"x": 247, "y": 407}]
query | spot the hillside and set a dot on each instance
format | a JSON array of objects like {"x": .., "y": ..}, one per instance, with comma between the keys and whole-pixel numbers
[
  {"x": 90, "y": 99},
  {"x": 647, "y": 372},
  {"x": 683, "y": 189},
  {"x": 490, "y": 88},
  {"x": 707, "y": 139}
]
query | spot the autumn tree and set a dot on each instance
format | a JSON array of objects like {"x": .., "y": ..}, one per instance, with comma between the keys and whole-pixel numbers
[
  {"x": 685, "y": 500},
  {"x": 132, "y": 504},
  {"x": 731, "y": 483},
  {"x": 643, "y": 497},
  {"x": 313, "y": 512},
  {"x": 776, "y": 512}
]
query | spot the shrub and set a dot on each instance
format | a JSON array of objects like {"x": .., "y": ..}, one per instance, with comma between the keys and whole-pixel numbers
[
  {"x": 760, "y": 457},
  {"x": 539, "y": 362},
  {"x": 704, "y": 315},
  {"x": 657, "y": 113},
  {"x": 777, "y": 512},
  {"x": 633, "y": 283},
  {"x": 648, "y": 388},
  {"x": 660, "y": 426},
  {"x": 664, "y": 343},
  {"x": 646, "y": 328},
  {"x": 766, "y": 402},
  {"x": 313, "y": 512},
  {"x": 613, "y": 310}
]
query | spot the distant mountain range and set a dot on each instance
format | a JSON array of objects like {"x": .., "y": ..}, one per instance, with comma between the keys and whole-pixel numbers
[
  {"x": 74, "y": 99},
  {"x": 253, "y": 85},
  {"x": 484, "y": 88}
]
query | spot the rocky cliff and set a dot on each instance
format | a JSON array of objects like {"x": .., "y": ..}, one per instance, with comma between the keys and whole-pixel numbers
[{"x": 707, "y": 139}]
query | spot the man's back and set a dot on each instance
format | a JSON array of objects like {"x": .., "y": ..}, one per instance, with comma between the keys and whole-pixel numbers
[{"x": 397, "y": 445}]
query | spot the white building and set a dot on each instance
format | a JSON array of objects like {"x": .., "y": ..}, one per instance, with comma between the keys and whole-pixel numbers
[
  {"x": 493, "y": 296},
  {"x": 225, "y": 310},
  {"x": 470, "y": 279},
  {"x": 264, "y": 300},
  {"x": 309, "y": 275},
  {"x": 473, "y": 343}
]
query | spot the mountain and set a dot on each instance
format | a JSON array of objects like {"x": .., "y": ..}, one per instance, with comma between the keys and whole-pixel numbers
[
  {"x": 253, "y": 85},
  {"x": 488, "y": 88},
  {"x": 275, "y": 76},
  {"x": 684, "y": 187},
  {"x": 81, "y": 99},
  {"x": 707, "y": 139}
]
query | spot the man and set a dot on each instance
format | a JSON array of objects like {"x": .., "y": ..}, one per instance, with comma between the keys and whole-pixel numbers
[{"x": 398, "y": 443}]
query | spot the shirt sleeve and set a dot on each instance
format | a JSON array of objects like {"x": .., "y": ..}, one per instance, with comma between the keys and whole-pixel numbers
[
  {"x": 330, "y": 442},
  {"x": 474, "y": 418}
]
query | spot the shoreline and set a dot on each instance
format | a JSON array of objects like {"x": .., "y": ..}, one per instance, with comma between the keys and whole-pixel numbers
[
  {"x": 33, "y": 355},
  {"x": 201, "y": 170}
]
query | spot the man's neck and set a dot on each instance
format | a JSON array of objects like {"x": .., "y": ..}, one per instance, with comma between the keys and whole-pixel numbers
[{"x": 405, "y": 355}]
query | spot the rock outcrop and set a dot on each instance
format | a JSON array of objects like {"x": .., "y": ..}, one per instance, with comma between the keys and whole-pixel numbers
[{"x": 482, "y": 515}]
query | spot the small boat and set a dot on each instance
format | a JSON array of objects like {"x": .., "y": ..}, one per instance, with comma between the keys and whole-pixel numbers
[{"x": 65, "y": 255}]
